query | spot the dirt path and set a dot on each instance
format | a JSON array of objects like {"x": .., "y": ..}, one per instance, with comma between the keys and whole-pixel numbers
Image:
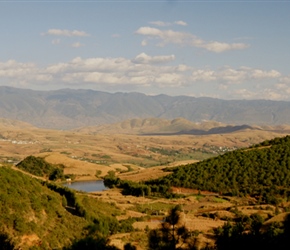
[{"x": 26, "y": 173}]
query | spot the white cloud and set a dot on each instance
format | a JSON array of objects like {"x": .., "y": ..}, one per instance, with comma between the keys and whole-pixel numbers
[
  {"x": 160, "y": 23},
  {"x": 99, "y": 64},
  {"x": 148, "y": 31},
  {"x": 169, "y": 79},
  {"x": 268, "y": 94},
  {"x": 187, "y": 39},
  {"x": 283, "y": 87},
  {"x": 22, "y": 74},
  {"x": 139, "y": 67},
  {"x": 12, "y": 68},
  {"x": 285, "y": 79},
  {"x": 68, "y": 33},
  {"x": 164, "y": 24},
  {"x": 264, "y": 74},
  {"x": 203, "y": 75},
  {"x": 103, "y": 71},
  {"x": 230, "y": 76},
  {"x": 56, "y": 68},
  {"x": 182, "y": 68},
  {"x": 271, "y": 94},
  {"x": 219, "y": 47},
  {"x": 243, "y": 94},
  {"x": 242, "y": 74},
  {"x": 145, "y": 59},
  {"x": 258, "y": 73},
  {"x": 180, "y": 22},
  {"x": 145, "y": 71}
]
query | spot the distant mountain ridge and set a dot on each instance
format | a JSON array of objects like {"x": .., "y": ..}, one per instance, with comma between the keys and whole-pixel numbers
[
  {"x": 159, "y": 126},
  {"x": 68, "y": 109}
]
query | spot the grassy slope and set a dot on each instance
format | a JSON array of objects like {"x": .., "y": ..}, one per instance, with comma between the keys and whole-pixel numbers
[{"x": 32, "y": 215}]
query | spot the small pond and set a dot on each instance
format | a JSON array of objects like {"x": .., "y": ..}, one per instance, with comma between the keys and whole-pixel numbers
[{"x": 87, "y": 186}]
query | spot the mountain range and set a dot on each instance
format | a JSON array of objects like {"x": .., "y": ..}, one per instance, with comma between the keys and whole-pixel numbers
[{"x": 70, "y": 109}]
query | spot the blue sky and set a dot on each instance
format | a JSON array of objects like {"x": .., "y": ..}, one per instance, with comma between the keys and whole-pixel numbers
[{"x": 222, "y": 49}]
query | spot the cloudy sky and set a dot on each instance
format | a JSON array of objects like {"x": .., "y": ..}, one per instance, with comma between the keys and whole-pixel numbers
[{"x": 224, "y": 49}]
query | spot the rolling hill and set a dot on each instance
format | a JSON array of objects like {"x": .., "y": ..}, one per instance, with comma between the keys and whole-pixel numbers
[
  {"x": 29, "y": 212},
  {"x": 43, "y": 215},
  {"x": 153, "y": 126},
  {"x": 261, "y": 171}
]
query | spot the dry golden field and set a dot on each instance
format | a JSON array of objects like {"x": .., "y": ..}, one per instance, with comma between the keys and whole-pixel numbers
[{"x": 84, "y": 154}]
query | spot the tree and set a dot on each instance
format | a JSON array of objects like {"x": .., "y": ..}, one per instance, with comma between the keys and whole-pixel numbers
[
  {"x": 129, "y": 246},
  {"x": 57, "y": 173},
  {"x": 93, "y": 243},
  {"x": 172, "y": 235},
  {"x": 248, "y": 235},
  {"x": 5, "y": 242}
]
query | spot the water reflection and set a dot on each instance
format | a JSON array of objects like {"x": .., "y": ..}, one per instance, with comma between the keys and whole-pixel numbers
[{"x": 87, "y": 186}]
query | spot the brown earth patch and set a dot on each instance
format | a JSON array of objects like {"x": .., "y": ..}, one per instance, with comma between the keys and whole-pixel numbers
[
  {"x": 30, "y": 240},
  {"x": 201, "y": 223},
  {"x": 276, "y": 219},
  {"x": 144, "y": 174},
  {"x": 186, "y": 191}
]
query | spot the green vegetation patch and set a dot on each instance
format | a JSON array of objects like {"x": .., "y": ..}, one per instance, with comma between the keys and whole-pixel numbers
[
  {"x": 263, "y": 173},
  {"x": 29, "y": 208},
  {"x": 219, "y": 200},
  {"x": 39, "y": 167},
  {"x": 56, "y": 216}
]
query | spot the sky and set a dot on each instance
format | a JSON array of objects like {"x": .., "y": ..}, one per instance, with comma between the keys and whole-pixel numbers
[{"x": 222, "y": 49}]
